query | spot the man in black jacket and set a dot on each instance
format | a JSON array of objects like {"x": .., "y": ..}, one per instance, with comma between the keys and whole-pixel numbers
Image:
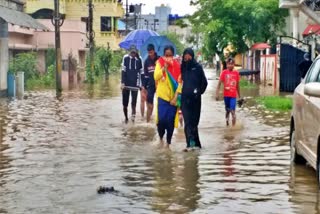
[
  {"x": 194, "y": 84},
  {"x": 130, "y": 81},
  {"x": 148, "y": 82}
]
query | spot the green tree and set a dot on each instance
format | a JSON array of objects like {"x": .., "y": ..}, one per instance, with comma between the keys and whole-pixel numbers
[
  {"x": 105, "y": 61},
  {"x": 181, "y": 23},
  {"x": 116, "y": 60},
  {"x": 238, "y": 22},
  {"x": 104, "y": 57}
]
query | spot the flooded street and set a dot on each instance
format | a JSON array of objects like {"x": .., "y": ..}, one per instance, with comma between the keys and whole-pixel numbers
[{"x": 54, "y": 154}]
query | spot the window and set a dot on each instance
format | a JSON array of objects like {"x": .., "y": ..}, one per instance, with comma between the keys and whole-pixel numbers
[
  {"x": 313, "y": 73},
  {"x": 105, "y": 23}
]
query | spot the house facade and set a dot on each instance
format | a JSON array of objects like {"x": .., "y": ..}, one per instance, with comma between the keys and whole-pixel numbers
[
  {"x": 301, "y": 10},
  {"x": 106, "y": 14},
  {"x": 16, "y": 26}
]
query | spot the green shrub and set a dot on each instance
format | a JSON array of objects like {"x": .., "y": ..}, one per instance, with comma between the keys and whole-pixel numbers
[
  {"x": 50, "y": 57},
  {"x": 49, "y": 77},
  {"x": 46, "y": 80},
  {"x": 276, "y": 103},
  {"x": 105, "y": 62},
  {"x": 26, "y": 62}
]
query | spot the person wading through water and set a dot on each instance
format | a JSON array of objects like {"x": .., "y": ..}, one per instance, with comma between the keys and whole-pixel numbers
[
  {"x": 130, "y": 81},
  {"x": 148, "y": 83},
  {"x": 166, "y": 76},
  {"x": 194, "y": 84},
  {"x": 230, "y": 79}
]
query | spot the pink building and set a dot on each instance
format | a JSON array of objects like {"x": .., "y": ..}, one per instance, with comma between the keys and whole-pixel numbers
[
  {"x": 73, "y": 41},
  {"x": 21, "y": 26}
]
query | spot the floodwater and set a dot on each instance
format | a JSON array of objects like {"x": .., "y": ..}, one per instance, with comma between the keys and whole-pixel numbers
[{"x": 54, "y": 154}]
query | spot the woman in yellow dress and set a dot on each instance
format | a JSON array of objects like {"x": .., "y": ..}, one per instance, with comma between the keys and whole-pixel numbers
[{"x": 167, "y": 74}]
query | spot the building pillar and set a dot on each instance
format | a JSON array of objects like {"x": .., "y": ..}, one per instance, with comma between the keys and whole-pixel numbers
[
  {"x": 295, "y": 22},
  {"x": 115, "y": 22},
  {"x": 4, "y": 55}
]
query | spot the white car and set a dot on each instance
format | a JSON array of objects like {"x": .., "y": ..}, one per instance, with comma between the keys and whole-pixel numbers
[{"x": 305, "y": 120}]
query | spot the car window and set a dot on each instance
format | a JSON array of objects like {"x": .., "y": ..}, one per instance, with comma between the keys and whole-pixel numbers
[{"x": 314, "y": 72}]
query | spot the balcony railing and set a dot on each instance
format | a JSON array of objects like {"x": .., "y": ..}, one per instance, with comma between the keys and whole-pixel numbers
[{"x": 312, "y": 4}]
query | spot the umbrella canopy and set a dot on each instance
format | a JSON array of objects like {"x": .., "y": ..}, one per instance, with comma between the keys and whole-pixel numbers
[
  {"x": 159, "y": 42},
  {"x": 137, "y": 38}
]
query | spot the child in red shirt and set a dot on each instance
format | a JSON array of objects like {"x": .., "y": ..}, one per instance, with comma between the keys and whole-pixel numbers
[{"x": 230, "y": 79}]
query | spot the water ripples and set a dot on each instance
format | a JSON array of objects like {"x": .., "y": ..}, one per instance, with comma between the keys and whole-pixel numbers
[{"x": 55, "y": 153}]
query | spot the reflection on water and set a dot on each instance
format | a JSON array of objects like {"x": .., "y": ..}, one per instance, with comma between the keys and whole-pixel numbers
[
  {"x": 54, "y": 154},
  {"x": 176, "y": 180},
  {"x": 304, "y": 189}
]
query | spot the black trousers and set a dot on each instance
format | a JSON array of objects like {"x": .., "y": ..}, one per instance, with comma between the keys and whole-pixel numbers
[
  {"x": 126, "y": 95},
  {"x": 191, "y": 109}
]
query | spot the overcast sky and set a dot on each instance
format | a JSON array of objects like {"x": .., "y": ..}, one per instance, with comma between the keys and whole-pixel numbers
[{"x": 181, "y": 7}]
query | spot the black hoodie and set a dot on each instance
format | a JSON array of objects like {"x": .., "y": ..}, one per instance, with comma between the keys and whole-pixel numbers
[
  {"x": 131, "y": 70},
  {"x": 147, "y": 77},
  {"x": 193, "y": 77}
]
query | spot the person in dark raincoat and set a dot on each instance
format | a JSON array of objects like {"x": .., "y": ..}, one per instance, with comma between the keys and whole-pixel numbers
[
  {"x": 194, "y": 84},
  {"x": 305, "y": 65}
]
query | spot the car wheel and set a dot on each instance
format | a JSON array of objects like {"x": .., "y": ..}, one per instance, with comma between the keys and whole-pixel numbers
[{"x": 295, "y": 157}]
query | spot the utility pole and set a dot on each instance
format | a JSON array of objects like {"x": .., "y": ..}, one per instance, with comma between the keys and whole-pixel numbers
[
  {"x": 135, "y": 21},
  {"x": 57, "y": 21},
  {"x": 90, "y": 36},
  {"x": 127, "y": 16},
  {"x": 154, "y": 24},
  {"x": 147, "y": 23}
]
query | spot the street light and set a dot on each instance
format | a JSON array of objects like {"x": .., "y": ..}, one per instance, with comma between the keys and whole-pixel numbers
[
  {"x": 135, "y": 10},
  {"x": 147, "y": 23},
  {"x": 155, "y": 21}
]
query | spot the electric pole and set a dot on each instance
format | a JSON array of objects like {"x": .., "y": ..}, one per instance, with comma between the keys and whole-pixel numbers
[
  {"x": 127, "y": 16},
  {"x": 57, "y": 21},
  {"x": 90, "y": 36},
  {"x": 154, "y": 24},
  {"x": 147, "y": 23}
]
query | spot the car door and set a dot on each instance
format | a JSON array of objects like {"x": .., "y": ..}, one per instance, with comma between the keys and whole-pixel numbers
[
  {"x": 310, "y": 113},
  {"x": 299, "y": 108}
]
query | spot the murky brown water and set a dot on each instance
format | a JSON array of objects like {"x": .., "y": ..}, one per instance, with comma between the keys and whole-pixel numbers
[{"x": 54, "y": 154}]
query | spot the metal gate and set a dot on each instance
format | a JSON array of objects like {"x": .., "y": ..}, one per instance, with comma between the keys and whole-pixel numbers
[{"x": 290, "y": 57}]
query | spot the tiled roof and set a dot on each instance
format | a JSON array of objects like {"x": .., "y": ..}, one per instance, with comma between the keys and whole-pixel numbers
[{"x": 20, "y": 18}]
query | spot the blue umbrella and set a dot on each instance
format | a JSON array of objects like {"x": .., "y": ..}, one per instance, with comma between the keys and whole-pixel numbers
[
  {"x": 137, "y": 38},
  {"x": 159, "y": 42}
]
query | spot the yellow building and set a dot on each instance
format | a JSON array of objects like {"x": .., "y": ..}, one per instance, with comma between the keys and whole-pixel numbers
[{"x": 105, "y": 16}]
